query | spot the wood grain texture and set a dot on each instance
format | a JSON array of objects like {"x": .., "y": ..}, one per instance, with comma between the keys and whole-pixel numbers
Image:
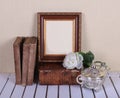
[
  {"x": 32, "y": 60},
  {"x": 18, "y": 47},
  {"x": 29, "y": 60},
  {"x": 25, "y": 62},
  {"x": 55, "y": 16},
  {"x": 54, "y": 74}
]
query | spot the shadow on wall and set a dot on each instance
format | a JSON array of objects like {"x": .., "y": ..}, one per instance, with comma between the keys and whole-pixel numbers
[
  {"x": 6, "y": 48},
  {"x": 84, "y": 41},
  {"x": 6, "y": 56},
  {"x": 34, "y": 25}
]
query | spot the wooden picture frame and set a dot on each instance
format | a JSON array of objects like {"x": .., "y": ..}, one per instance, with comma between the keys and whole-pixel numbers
[{"x": 58, "y": 34}]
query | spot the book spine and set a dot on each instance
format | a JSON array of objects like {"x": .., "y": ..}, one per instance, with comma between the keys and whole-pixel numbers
[
  {"x": 17, "y": 48},
  {"x": 32, "y": 62},
  {"x": 25, "y": 63}
]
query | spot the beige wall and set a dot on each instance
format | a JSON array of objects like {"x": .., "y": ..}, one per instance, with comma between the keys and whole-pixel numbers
[{"x": 100, "y": 26}]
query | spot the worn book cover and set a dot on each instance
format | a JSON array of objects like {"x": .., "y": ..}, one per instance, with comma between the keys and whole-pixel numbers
[
  {"x": 25, "y": 60},
  {"x": 17, "y": 48},
  {"x": 32, "y": 60}
]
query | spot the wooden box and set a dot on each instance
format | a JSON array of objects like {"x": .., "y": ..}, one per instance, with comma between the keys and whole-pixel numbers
[{"x": 55, "y": 74}]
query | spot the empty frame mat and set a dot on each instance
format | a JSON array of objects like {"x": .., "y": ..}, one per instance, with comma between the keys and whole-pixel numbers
[{"x": 58, "y": 35}]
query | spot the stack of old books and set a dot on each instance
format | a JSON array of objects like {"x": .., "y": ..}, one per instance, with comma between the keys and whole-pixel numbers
[{"x": 25, "y": 59}]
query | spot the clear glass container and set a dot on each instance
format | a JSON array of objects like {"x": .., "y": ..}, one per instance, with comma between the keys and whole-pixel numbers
[{"x": 94, "y": 76}]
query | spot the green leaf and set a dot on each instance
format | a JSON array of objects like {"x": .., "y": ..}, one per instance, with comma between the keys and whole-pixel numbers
[{"x": 88, "y": 57}]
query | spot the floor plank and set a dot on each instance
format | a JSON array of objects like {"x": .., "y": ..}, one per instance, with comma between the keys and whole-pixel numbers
[
  {"x": 116, "y": 83},
  {"x": 110, "y": 91},
  {"x": 87, "y": 93},
  {"x": 75, "y": 91},
  {"x": 41, "y": 91},
  {"x": 64, "y": 91},
  {"x": 18, "y": 91},
  {"x": 3, "y": 80},
  {"x": 100, "y": 93},
  {"x": 7, "y": 91},
  {"x": 29, "y": 91},
  {"x": 52, "y": 92},
  {"x": 114, "y": 74}
]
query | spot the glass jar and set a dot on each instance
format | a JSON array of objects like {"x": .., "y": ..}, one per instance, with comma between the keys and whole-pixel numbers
[{"x": 94, "y": 76}]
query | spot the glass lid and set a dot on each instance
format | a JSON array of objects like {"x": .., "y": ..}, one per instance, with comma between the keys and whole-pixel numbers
[{"x": 97, "y": 70}]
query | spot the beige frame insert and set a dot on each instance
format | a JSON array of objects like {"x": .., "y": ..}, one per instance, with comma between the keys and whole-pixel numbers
[{"x": 59, "y": 36}]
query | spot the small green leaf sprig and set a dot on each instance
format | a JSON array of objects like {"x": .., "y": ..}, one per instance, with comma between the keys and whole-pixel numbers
[{"x": 88, "y": 58}]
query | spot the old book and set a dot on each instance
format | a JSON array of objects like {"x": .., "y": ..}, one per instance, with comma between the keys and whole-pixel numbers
[
  {"x": 32, "y": 60},
  {"x": 25, "y": 60},
  {"x": 56, "y": 74},
  {"x": 18, "y": 47}
]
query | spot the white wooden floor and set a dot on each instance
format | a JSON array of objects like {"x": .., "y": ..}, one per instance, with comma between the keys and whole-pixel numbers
[{"x": 8, "y": 89}]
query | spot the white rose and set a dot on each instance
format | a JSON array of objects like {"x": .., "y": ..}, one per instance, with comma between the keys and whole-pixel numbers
[{"x": 73, "y": 60}]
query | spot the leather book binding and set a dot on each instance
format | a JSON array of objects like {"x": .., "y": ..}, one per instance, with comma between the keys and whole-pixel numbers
[
  {"x": 25, "y": 60},
  {"x": 32, "y": 60},
  {"x": 17, "y": 48},
  {"x": 29, "y": 60}
]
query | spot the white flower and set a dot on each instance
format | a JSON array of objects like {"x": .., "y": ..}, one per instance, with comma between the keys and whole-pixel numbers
[{"x": 73, "y": 60}]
